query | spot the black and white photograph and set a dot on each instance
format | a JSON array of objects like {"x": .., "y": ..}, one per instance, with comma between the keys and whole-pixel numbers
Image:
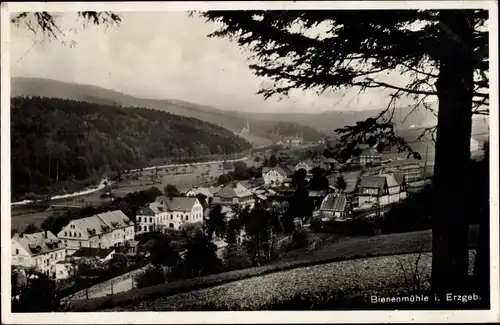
[{"x": 240, "y": 157}]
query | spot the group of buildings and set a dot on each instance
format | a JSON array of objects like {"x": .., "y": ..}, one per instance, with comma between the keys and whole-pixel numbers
[{"x": 100, "y": 235}]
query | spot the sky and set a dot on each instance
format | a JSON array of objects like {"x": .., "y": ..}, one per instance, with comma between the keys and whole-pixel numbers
[{"x": 166, "y": 55}]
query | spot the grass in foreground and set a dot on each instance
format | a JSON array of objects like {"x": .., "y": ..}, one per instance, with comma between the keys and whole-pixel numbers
[
  {"x": 331, "y": 252},
  {"x": 347, "y": 284}
]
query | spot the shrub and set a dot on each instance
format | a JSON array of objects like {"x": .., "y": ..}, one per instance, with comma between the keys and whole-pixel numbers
[
  {"x": 235, "y": 258},
  {"x": 152, "y": 276}
]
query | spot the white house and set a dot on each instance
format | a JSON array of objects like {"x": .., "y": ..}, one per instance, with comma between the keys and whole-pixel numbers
[
  {"x": 234, "y": 193},
  {"x": 103, "y": 230},
  {"x": 334, "y": 207},
  {"x": 64, "y": 269},
  {"x": 169, "y": 213},
  {"x": 305, "y": 164},
  {"x": 276, "y": 176},
  {"x": 41, "y": 251},
  {"x": 382, "y": 190}
]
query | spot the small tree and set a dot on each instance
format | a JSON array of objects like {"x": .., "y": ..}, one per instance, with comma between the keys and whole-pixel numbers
[
  {"x": 341, "y": 184},
  {"x": 161, "y": 252},
  {"x": 31, "y": 229},
  {"x": 171, "y": 191},
  {"x": 201, "y": 257}
]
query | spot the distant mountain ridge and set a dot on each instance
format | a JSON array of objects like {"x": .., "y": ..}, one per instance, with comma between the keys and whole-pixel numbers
[{"x": 263, "y": 125}]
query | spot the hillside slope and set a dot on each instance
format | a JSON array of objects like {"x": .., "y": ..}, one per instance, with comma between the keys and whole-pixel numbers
[
  {"x": 260, "y": 127},
  {"x": 56, "y": 140}
]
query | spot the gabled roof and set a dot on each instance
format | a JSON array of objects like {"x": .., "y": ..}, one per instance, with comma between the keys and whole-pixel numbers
[
  {"x": 201, "y": 190},
  {"x": 372, "y": 182},
  {"x": 308, "y": 162},
  {"x": 321, "y": 158},
  {"x": 115, "y": 219},
  {"x": 402, "y": 162},
  {"x": 184, "y": 204},
  {"x": 382, "y": 180},
  {"x": 233, "y": 189},
  {"x": 93, "y": 252},
  {"x": 280, "y": 169},
  {"x": 39, "y": 242},
  {"x": 334, "y": 202},
  {"x": 92, "y": 225}
]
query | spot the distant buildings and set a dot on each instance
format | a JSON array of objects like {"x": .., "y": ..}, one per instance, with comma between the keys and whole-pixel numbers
[
  {"x": 41, "y": 251},
  {"x": 234, "y": 193},
  {"x": 409, "y": 168},
  {"x": 206, "y": 191},
  {"x": 102, "y": 230},
  {"x": 276, "y": 176},
  {"x": 370, "y": 156},
  {"x": 169, "y": 213},
  {"x": 381, "y": 190},
  {"x": 293, "y": 141},
  {"x": 100, "y": 254}
]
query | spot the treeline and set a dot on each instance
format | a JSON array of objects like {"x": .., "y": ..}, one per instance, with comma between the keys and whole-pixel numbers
[
  {"x": 289, "y": 129},
  {"x": 57, "y": 141}
]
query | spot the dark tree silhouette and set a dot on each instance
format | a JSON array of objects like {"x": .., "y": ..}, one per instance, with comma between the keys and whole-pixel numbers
[
  {"x": 161, "y": 252},
  {"x": 31, "y": 229},
  {"x": 216, "y": 222},
  {"x": 171, "y": 191},
  {"x": 318, "y": 180},
  {"x": 443, "y": 52},
  {"x": 341, "y": 184},
  {"x": 299, "y": 177},
  {"x": 201, "y": 257}
]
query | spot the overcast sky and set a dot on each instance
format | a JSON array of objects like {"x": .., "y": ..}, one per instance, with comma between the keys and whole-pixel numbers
[{"x": 165, "y": 55}]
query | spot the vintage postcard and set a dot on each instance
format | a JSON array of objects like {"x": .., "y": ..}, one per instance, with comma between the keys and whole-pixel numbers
[{"x": 276, "y": 161}]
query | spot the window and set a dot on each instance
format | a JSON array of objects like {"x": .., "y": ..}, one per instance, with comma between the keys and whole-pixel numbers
[
  {"x": 182, "y": 218},
  {"x": 150, "y": 220},
  {"x": 138, "y": 219},
  {"x": 17, "y": 251},
  {"x": 139, "y": 228},
  {"x": 187, "y": 217},
  {"x": 65, "y": 233},
  {"x": 171, "y": 216},
  {"x": 79, "y": 234},
  {"x": 171, "y": 225}
]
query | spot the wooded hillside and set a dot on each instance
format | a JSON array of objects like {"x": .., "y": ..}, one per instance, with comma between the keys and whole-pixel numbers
[{"x": 56, "y": 140}]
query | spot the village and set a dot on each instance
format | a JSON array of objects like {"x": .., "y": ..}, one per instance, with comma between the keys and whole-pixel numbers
[{"x": 363, "y": 187}]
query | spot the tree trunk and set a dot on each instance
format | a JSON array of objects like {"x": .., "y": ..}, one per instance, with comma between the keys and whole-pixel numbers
[{"x": 452, "y": 161}]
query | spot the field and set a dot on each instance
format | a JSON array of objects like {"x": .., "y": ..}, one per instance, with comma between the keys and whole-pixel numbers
[
  {"x": 328, "y": 252},
  {"x": 20, "y": 219},
  {"x": 360, "y": 276}
]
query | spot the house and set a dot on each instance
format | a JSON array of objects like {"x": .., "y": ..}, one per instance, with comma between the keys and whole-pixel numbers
[
  {"x": 320, "y": 161},
  {"x": 381, "y": 190},
  {"x": 293, "y": 141},
  {"x": 41, "y": 250},
  {"x": 335, "y": 206},
  {"x": 370, "y": 156},
  {"x": 103, "y": 230},
  {"x": 305, "y": 164},
  {"x": 276, "y": 176},
  {"x": 234, "y": 193},
  {"x": 193, "y": 192},
  {"x": 227, "y": 166},
  {"x": 169, "y": 213},
  {"x": 100, "y": 254}
]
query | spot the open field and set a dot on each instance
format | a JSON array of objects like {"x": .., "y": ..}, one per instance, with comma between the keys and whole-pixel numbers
[{"x": 329, "y": 252}]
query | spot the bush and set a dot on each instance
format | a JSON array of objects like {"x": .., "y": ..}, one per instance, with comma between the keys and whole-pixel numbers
[
  {"x": 236, "y": 258},
  {"x": 152, "y": 276}
]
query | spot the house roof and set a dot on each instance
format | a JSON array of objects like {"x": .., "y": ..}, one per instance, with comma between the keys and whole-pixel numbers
[
  {"x": 372, "y": 182},
  {"x": 402, "y": 162},
  {"x": 115, "y": 219},
  {"x": 321, "y": 158},
  {"x": 93, "y": 252},
  {"x": 233, "y": 189},
  {"x": 308, "y": 162},
  {"x": 227, "y": 165},
  {"x": 280, "y": 169},
  {"x": 38, "y": 243},
  {"x": 184, "y": 204},
  {"x": 334, "y": 202},
  {"x": 103, "y": 222},
  {"x": 380, "y": 181},
  {"x": 201, "y": 190}
]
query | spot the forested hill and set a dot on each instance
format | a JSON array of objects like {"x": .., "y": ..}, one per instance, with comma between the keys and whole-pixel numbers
[{"x": 74, "y": 140}]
